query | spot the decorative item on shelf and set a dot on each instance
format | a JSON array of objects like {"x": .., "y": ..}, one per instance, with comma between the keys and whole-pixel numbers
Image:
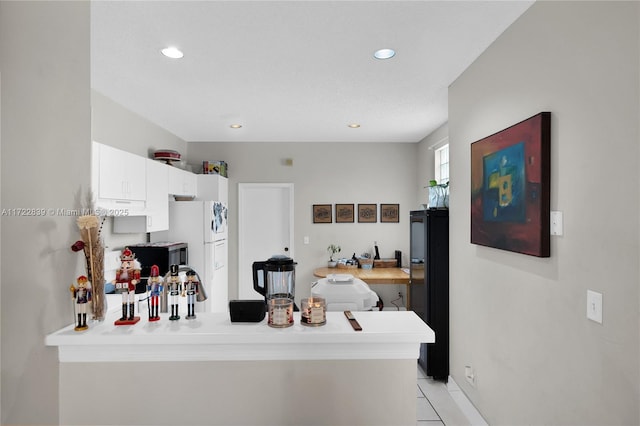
[
  {"x": 365, "y": 261},
  {"x": 384, "y": 263},
  {"x": 347, "y": 264},
  {"x": 332, "y": 249},
  {"x": 81, "y": 295},
  {"x": 90, "y": 244},
  {"x": 167, "y": 155},
  {"x": 215, "y": 168},
  {"x": 438, "y": 195},
  {"x": 127, "y": 276}
]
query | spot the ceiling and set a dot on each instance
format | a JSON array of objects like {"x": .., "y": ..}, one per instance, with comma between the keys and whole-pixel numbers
[{"x": 291, "y": 71}]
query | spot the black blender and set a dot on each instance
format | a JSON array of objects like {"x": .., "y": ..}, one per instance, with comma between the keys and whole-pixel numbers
[{"x": 275, "y": 278}]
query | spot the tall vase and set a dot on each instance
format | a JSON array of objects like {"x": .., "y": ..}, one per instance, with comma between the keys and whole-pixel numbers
[
  {"x": 99, "y": 300},
  {"x": 94, "y": 254}
]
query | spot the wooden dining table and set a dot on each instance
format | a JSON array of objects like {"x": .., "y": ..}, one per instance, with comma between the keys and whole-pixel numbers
[{"x": 372, "y": 276}]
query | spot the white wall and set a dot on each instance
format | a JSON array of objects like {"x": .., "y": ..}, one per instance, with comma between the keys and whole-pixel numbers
[
  {"x": 323, "y": 173},
  {"x": 46, "y": 143},
  {"x": 520, "y": 321},
  {"x": 114, "y": 125}
]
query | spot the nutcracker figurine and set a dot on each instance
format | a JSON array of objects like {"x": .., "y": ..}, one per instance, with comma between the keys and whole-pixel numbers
[
  {"x": 192, "y": 288},
  {"x": 127, "y": 276},
  {"x": 174, "y": 287},
  {"x": 154, "y": 288},
  {"x": 81, "y": 293}
]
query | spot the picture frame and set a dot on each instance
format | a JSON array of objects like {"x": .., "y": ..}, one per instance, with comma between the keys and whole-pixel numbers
[
  {"x": 344, "y": 213},
  {"x": 322, "y": 213},
  {"x": 510, "y": 188},
  {"x": 367, "y": 213},
  {"x": 389, "y": 213}
]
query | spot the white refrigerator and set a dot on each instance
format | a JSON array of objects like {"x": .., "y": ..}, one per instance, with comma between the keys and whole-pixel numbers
[{"x": 203, "y": 225}]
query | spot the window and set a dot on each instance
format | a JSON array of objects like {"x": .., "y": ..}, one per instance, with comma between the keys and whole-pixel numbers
[{"x": 442, "y": 164}]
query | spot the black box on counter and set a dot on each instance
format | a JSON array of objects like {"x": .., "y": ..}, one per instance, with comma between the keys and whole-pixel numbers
[{"x": 247, "y": 310}]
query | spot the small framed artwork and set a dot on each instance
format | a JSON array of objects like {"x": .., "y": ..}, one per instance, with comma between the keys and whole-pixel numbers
[
  {"x": 344, "y": 213},
  {"x": 389, "y": 213},
  {"x": 322, "y": 213},
  {"x": 367, "y": 213}
]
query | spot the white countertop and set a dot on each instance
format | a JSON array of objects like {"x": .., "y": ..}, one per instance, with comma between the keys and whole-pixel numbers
[{"x": 213, "y": 337}]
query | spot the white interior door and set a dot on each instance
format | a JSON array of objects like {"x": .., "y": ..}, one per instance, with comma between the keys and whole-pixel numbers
[{"x": 265, "y": 228}]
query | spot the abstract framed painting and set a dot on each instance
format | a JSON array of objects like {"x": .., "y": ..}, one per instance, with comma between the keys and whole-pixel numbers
[{"x": 510, "y": 188}]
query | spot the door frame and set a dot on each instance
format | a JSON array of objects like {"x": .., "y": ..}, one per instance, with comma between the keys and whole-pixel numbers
[{"x": 244, "y": 273}]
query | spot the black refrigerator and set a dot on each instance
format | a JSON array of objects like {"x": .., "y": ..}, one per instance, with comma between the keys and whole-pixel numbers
[{"x": 429, "y": 289}]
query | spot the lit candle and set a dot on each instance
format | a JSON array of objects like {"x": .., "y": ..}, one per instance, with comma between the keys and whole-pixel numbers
[{"x": 313, "y": 311}]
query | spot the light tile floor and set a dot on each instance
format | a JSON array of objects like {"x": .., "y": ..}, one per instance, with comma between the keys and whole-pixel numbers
[{"x": 435, "y": 405}]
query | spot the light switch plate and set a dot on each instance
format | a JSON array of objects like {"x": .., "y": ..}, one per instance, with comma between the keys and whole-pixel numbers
[
  {"x": 594, "y": 306},
  {"x": 556, "y": 223}
]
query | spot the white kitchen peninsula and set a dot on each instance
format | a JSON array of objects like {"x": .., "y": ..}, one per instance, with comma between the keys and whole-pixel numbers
[{"x": 214, "y": 372}]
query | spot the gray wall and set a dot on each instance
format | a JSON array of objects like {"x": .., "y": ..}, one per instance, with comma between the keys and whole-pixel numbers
[
  {"x": 323, "y": 173},
  {"x": 520, "y": 321},
  {"x": 46, "y": 142}
]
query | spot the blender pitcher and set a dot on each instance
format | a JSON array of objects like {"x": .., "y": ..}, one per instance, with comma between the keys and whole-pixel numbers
[{"x": 275, "y": 278}]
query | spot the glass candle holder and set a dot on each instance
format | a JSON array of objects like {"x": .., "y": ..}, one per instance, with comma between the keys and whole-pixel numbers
[
  {"x": 280, "y": 312},
  {"x": 313, "y": 311}
]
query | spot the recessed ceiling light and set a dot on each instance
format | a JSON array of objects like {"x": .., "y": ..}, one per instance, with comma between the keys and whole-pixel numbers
[
  {"x": 172, "y": 52},
  {"x": 236, "y": 126},
  {"x": 354, "y": 125},
  {"x": 384, "y": 54}
]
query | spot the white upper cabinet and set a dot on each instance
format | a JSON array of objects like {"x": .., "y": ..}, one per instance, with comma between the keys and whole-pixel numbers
[
  {"x": 118, "y": 179},
  {"x": 182, "y": 182},
  {"x": 156, "y": 213}
]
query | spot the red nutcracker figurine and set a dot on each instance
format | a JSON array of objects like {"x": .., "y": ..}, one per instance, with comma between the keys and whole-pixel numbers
[
  {"x": 191, "y": 288},
  {"x": 127, "y": 276},
  {"x": 154, "y": 288},
  {"x": 81, "y": 293}
]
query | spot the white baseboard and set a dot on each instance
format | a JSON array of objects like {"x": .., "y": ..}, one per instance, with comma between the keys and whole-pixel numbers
[{"x": 465, "y": 405}]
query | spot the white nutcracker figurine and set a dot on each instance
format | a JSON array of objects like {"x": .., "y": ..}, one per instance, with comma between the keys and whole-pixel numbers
[
  {"x": 154, "y": 288},
  {"x": 81, "y": 293},
  {"x": 127, "y": 276},
  {"x": 174, "y": 287},
  {"x": 191, "y": 288}
]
